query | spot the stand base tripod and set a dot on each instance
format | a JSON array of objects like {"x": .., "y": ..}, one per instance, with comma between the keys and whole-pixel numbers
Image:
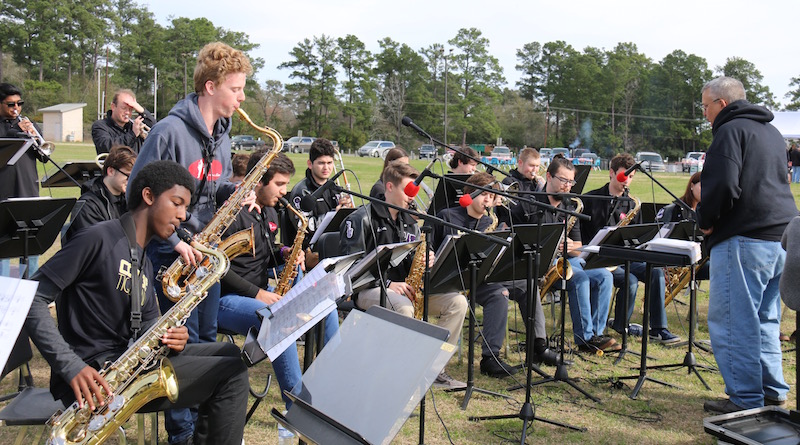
[{"x": 527, "y": 415}]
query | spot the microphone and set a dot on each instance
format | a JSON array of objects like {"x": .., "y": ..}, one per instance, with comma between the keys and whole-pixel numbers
[
  {"x": 409, "y": 123},
  {"x": 412, "y": 188},
  {"x": 309, "y": 201},
  {"x": 622, "y": 177}
]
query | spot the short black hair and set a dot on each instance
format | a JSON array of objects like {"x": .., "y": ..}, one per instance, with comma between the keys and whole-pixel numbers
[
  {"x": 280, "y": 164},
  {"x": 320, "y": 147},
  {"x": 463, "y": 154},
  {"x": 159, "y": 176},
  {"x": 558, "y": 162},
  {"x": 6, "y": 89}
]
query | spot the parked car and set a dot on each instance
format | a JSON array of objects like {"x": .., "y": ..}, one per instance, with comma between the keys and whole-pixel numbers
[
  {"x": 693, "y": 162},
  {"x": 375, "y": 149},
  {"x": 585, "y": 159},
  {"x": 427, "y": 151},
  {"x": 545, "y": 154},
  {"x": 577, "y": 152},
  {"x": 298, "y": 144},
  {"x": 246, "y": 142},
  {"x": 560, "y": 151},
  {"x": 501, "y": 152},
  {"x": 651, "y": 161}
]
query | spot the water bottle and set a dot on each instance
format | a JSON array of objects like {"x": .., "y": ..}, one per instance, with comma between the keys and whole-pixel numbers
[{"x": 285, "y": 437}]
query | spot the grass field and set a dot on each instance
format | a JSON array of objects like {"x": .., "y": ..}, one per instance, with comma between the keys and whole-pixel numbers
[{"x": 660, "y": 415}]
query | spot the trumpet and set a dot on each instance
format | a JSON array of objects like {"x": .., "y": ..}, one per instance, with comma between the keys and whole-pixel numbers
[
  {"x": 145, "y": 131},
  {"x": 42, "y": 146}
]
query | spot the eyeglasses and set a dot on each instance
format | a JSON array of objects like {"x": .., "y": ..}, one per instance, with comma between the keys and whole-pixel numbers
[
  {"x": 18, "y": 103},
  {"x": 565, "y": 181},
  {"x": 127, "y": 175},
  {"x": 705, "y": 107}
]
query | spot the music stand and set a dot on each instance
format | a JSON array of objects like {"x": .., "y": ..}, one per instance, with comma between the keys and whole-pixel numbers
[
  {"x": 649, "y": 211},
  {"x": 447, "y": 193},
  {"x": 377, "y": 346},
  {"x": 581, "y": 175},
  {"x": 72, "y": 173},
  {"x": 530, "y": 242},
  {"x": 653, "y": 259},
  {"x": 625, "y": 236},
  {"x": 29, "y": 226},
  {"x": 472, "y": 256},
  {"x": 366, "y": 271},
  {"x": 12, "y": 149},
  {"x": 331, "y": 223},
  {"x": 686, "y": 230}
]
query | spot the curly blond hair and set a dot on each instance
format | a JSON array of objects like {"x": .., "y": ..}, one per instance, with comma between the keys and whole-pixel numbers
[{"x": 215, "y": 61}]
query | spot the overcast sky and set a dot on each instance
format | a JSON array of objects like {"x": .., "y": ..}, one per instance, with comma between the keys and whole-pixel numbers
[{"x": 764, "y": 33}]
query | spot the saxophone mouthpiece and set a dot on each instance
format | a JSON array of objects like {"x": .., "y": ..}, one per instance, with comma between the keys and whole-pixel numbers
[{"x": 184, "y": 235}]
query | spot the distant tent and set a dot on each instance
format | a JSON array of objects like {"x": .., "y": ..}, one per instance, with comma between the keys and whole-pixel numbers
[{"x": 788, "y": 123}]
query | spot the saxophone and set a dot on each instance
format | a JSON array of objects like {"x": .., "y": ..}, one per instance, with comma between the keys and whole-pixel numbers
[
  {"x": 561, "y": 268},
  {"x": 142, "y": 373},
  {"x": 290, "y": 270},
  {"x": 415, "y": 277},
  {"x": 179, "y": 277},
  {"x": 637, "y": 204},
  {"x": 677, "y": 278}
]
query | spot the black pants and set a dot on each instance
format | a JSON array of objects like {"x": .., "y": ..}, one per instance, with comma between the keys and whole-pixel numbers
[{"x": 213, "y": 377}]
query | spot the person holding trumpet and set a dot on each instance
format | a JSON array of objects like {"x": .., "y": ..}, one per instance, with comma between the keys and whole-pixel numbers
[{"x": 119, "y": 127}]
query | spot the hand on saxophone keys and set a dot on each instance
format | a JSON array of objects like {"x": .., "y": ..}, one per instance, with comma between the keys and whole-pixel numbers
[
  {"x": 176, "y": 338},
  {"x": 403, "y": 289},
  {"x": 86, "y": 386}
]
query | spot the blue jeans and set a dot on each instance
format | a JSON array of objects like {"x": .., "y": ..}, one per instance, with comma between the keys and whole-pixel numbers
[
  {"x": 33, "y": 266},
  {"x": 202, "y": 325},
  {"x": 795, "y": 174},
  {"x": 744, "y": 314},
  {"x": 638, "y": 272},
  {"x": 238, "y": 314},
  {"x": 589, "y": 299}
]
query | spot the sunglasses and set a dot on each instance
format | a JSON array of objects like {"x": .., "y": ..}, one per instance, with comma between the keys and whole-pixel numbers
[{"x": 18, "y": 103}]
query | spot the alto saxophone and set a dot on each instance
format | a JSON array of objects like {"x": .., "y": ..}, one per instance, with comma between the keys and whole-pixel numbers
[
  {"x": 561, "y": 268},
  {"x": 179, "y": 277},
  {"x": 415, "y": 277},
  {"x": 677, "y": 278},
  {"x": 289, "y": 269},
  {"x": 142, "y": 373},
  {"x": 625, "y": 220}
]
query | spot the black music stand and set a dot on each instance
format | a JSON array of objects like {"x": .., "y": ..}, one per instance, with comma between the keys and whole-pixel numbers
[
  {"x": 374, "y": 264},
  {"x": 686, "y": 231},
  {"x": 530, "y": 242},
  {"x": 344, "y": 397},
  {"x": 72, "y": 173},
  {"x": 332, "y": 223},
  {"x": 653, "y": 259},
  {"x": 29, "y": 226},
  {"x": 581, "y": 175},
  {"x": 472, "y": 256},
  {"x": 649, "y": 211},
  {"x": 625, "y": 236},
  {"x": 12, "y": 149},
  {"x": 447, "y": 193}
]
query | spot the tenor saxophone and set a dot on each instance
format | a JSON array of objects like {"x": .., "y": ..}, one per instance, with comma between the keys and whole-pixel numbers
[
  {"x": 179, "y": 276},
  {"x": 561, "y": 269},
  {"x": 142, "y": 373},
  {"x": 415, "y": 277},
  {"x": 289, "y": 269},
  {"x": 677, "y": 278}
]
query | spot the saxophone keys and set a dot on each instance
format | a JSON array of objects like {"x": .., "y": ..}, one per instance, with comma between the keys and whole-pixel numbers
[
  {"x": 202, "y": 272},
  {"x": 174, "y": 291}
]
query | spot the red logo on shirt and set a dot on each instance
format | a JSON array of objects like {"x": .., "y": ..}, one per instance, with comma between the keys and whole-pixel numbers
[
  {"x": 197, "y": 167},
  {"x": 273, "y": 227}
]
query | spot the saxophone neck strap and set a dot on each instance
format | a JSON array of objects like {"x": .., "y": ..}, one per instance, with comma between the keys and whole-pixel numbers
[{"x": 136, "y": 288}]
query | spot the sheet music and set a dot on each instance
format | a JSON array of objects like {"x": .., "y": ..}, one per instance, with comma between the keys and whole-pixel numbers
[
  {"x": 322, "y": 225},
  {"x": 690, "y": 249},
  {"x": 16, "y": 297},
  {"x": 594, "y": 244},
  {"x": 299, "y": 310}
]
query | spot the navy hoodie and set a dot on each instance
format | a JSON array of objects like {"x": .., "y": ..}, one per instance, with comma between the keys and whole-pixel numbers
[
  {"x": 745, "y": 190},
  {"x": 182, "y": 137}
]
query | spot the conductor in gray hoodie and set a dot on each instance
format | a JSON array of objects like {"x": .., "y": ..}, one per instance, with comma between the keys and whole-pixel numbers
[{"x": 196, "y": 134}]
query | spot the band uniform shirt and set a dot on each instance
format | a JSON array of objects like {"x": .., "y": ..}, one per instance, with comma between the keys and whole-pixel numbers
[
  {"x": 93, "y": 273},
  {"x": 600, "y": 211},
  {"x": 327, "y": 202},
  {"x": 357, "y": 236},
  {"x": 20, "y": 180},
  {"x": 459, "y": 217},
  {"x": 553, "y": 217},
  {"x": 248, "y": 273}
]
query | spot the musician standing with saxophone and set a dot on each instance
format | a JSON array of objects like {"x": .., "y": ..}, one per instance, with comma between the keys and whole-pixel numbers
[
  {"x": 606, "y": 212},
  {"x": 196, "y": 134},
  {"x": 94, "y": 275},
  {"x": 743, "y": 212},
  {"x": 372, "y": 225},
  {"x": 117, "y": 128},
  {"x": 19, "y": 180}
]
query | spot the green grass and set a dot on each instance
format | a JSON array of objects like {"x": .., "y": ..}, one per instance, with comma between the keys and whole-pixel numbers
[{"x": 660, "y": 415}]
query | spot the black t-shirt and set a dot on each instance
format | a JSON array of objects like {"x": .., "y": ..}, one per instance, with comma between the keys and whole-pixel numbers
[
  {"x": 252, "y": 270},
  {"x": 553, "y": 217},
  {"x": 93, "y": 272},
  {"x": 601, "y": 212},
  {"x": 460, "y": 217}
]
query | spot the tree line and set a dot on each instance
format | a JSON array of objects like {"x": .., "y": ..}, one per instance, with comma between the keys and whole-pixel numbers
[{"x": 607, "y": 100}]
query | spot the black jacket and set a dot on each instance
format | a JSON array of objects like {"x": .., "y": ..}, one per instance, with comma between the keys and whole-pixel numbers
[
  {"x": 601, "y": 212},
  {"x": 519, "y": 212},
  {"x": 745, "y": 190},
  {"x": 21, "y": 179},
  {"x": 357, "y": 235},
  {"x": 325, "y": 204},
  {"x": 96, "y": 204},
  {"x": 248, "y": 273},
  {"x": 106, "y": 133}
]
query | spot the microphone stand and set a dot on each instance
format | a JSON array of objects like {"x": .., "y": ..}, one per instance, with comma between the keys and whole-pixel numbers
[{"x": 689, "y": 360}]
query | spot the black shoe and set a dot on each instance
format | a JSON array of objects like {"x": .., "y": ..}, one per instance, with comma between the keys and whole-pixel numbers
[
  {"x": 549, "y": 357},
  {"x": 722, "y": 406},
  {"x": 774, "y": 402},
  {"x": 497, "y": 367}
]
